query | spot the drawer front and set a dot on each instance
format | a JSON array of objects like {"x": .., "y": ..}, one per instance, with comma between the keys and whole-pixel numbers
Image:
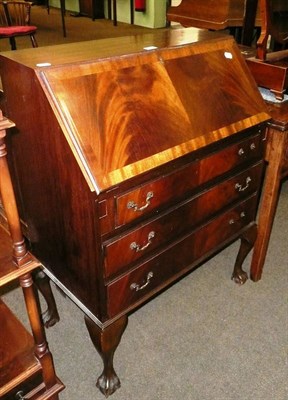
[
  {"x": 154, "y": 274},
  {"x": 140, "y": 242},
  {"x": 30, "y": 385},
  {"x": 146, "y": 198}
]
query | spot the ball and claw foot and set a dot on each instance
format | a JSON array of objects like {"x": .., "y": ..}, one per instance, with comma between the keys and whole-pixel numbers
[
  {"x": 108, "y": 384},
  {"x": 105, "y": 341},
  {"x": 50, "y": 318},
  {"x": 239, "y": 277}
]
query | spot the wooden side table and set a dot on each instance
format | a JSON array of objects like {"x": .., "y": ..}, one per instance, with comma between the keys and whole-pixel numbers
[
  {"x": 277, "y": 169},
  {"x": 26, "y": 364}
]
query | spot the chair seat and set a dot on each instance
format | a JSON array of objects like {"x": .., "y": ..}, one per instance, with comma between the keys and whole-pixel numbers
[{"x": 6, "y": 31}]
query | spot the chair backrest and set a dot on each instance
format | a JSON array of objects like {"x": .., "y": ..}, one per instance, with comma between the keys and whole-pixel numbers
[
  {"x": 17, "y": 12},
  {"x": 3, "y": 18}
]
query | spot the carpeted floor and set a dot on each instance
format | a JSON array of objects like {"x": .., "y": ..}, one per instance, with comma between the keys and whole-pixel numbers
[
  {"x": 49, "y": 30},
  {"x": 203, "y": 339}
]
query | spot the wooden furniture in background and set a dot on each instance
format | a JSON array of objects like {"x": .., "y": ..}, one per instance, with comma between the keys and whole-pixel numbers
[
  {"x": 270, "y": 70},
  {"x": 26, "y": 363},
  {"x": 15, "y": 21},
  {"x": 277, "y": 169},
  {"x": 226, "y": 14},
  {"x": 271, "y": 25},
  {"x": 157, "y": 165},
  {"x": 92, "y": 8}
]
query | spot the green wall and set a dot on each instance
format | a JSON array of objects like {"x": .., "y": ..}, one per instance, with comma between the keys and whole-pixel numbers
[{"x": 154, "y": 17}]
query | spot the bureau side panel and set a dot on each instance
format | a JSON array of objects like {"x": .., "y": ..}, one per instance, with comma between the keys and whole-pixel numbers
[{"x": 55, "y": 200}]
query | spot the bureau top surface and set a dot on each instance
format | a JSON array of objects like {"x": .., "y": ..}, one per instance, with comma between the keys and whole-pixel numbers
[
  {"x": 102, "y": 48},
  {"x": 124, "y": 115}
]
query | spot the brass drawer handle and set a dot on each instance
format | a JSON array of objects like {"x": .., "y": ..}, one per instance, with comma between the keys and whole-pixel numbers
[
  {"x": 242, "y": 215},
  {"x": 241, "y": 151},
  {"x": 135, "y": 286},
  {"x": 19, "y": 395},
  {"x": 136, "y": 247},
  {"x": 132, "y": 205},
  {"x": 241, "y": 188}
]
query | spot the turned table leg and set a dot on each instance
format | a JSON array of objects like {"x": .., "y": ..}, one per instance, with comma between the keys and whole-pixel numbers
[
  {"x": 247, "y": 242},
  {"x": 50, "y": 317},
  {"x": 106, "y": 341}
]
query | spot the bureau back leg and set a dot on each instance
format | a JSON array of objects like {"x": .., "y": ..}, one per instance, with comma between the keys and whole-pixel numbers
[
  {"x": 248, "y": 239},
  {"x": 106, "y": 342},
  {"x": 51, "y": 316}
]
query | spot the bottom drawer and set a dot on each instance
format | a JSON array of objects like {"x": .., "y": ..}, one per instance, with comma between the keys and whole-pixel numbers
[
  {"x": 154, "y": 274},
  {"x": 30, "y": 385}
]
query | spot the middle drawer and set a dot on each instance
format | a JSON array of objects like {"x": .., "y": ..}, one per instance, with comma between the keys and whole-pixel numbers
[{"x": 119, "y": 253}]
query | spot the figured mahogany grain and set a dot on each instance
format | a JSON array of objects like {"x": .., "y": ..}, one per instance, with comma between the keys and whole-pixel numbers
[{"x": 119, "y": 119}]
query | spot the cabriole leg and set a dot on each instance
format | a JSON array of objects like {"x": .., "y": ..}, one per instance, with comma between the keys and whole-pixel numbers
[
  {"x": 106, "y": 341},
  {"x": 247, "y": 242},
  {"x": 49, "y": 317}
]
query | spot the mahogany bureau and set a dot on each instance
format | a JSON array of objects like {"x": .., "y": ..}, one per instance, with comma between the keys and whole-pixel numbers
[{"x": 135, "y": 159}]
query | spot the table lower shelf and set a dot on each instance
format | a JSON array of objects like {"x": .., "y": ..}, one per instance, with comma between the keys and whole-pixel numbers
[{"x": 19, "y": 368}]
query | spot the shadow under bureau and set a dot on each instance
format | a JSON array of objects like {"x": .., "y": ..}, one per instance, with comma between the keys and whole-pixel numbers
[{"x": 135, "y": 159}]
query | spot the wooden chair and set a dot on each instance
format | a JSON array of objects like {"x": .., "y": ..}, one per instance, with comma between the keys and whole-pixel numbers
[
  {"x": 15, "y": 22},
  {"x": 26, "y": 362},
  {"x": 269, "y": 67}
]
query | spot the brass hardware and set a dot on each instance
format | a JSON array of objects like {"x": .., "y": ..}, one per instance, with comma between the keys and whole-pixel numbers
[
  {"x": 242, "y": 215},
  {"x": 265, "y": 136},
  {"x": 134, "y": 206},
  {"x": 136, "y": 247},
  {"x": 252, "y": 146},
  {"x": 241, "y": 188},
  {"x": 135, "y": 286},
  {"x": 241, "y": 152},
  {"x": 19, "y": 395}
]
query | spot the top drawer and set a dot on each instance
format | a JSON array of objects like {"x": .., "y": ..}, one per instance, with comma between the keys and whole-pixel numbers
[{"x": 169, "y": 188}]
